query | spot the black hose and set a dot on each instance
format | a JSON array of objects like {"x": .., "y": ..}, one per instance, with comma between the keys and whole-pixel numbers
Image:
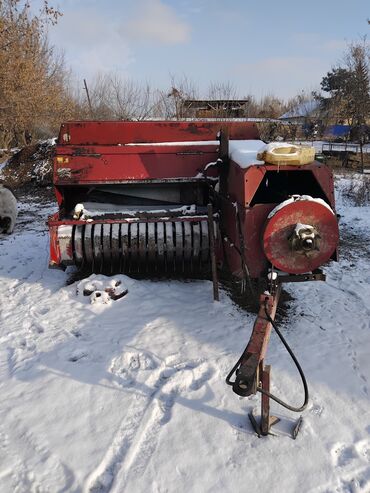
[
  {"x": 234, "y": 369},
  {"x": 299, "y": 368},
  {"x": 292, "y": 355}
]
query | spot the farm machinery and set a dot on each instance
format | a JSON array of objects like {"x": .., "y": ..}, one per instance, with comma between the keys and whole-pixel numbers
[{"x": 194, "y": 199}]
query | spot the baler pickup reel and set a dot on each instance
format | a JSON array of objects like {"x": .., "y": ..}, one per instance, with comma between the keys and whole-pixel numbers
[{"x": 137, "y": 201}]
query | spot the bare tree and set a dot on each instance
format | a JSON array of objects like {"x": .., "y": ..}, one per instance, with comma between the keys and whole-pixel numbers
[
  {"x": 131, "y": 101},
  {"x": 113, "y": 97},
  {"x": 33, "y": 77},
  {"x": 168, "y": 102},
  {"x": 222, "y": 90}
]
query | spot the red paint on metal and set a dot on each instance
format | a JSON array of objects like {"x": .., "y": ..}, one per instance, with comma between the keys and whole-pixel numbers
[
  {"x": 242, "y": 185},
  {"x": 121, "y": 132},
  {"x": 252, "y": 221},
  {"x": 281, "y": 226},
  {"x": 117, "y": 165},
  {"x": 54, "y": 245},
  {"x": 58, "y": 195},
  {"x": 255, "y": 219},
  {"x": 324, "y": 177},
  {"x": 262, "y": 328},
  {"x": 236, "y": 184},
  {"x": 97, "y": 154}
]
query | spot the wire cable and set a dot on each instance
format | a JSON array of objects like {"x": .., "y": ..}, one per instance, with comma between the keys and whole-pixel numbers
[{"x": 298, "y": 366}]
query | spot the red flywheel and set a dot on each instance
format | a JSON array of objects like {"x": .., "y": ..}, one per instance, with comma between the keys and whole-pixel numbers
[{"x": 300, "y": 235}]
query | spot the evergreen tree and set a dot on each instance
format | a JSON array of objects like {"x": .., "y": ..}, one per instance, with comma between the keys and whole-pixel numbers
[{"x": 348, "y": 87}]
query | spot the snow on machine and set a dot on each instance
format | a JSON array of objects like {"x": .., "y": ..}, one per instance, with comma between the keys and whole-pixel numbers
[{"x": 192, "y": 199}]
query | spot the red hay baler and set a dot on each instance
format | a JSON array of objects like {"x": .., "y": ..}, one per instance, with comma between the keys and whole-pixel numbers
[{"x": 190, "y": 199}]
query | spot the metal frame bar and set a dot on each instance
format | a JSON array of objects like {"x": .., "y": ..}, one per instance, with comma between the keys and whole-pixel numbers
[
  {"x": 252, "y": 371},
  {"x": 249, "y": 373}
]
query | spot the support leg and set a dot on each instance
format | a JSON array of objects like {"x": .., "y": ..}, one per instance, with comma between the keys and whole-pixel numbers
[
  {"x": 213, "y": 253},
  {"x": 266, "y": 420}
]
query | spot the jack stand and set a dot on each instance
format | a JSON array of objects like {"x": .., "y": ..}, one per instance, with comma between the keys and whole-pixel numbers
[
  {"x": 266, "y": 421},
  {"x": 252, "y": 376}
]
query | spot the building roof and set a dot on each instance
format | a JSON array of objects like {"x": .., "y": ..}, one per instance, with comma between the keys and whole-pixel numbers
[
  {"x": 215, "y": 103},
  {"x": 302, "y": 110}
]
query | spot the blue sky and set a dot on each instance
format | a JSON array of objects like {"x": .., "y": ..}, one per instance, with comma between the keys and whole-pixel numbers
[{"x": 261, "y": 47}]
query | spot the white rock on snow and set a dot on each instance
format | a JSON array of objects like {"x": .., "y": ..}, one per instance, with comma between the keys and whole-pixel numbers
[{"x": 8, "y": 210}]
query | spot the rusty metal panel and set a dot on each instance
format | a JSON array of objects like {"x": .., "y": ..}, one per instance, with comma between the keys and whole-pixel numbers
[
  {"x": 121, "y": 132},
  {"x": 253, "y": 223},
  {"x": 243, "y": 183},
  {"x": 324, "y": 177},
  {"x": 252, "y": 180},
  {"x": 116, "y": 167},
  {"x": 260, "y": 336}
]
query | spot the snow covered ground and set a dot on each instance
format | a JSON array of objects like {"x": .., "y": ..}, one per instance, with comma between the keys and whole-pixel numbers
[{"x": 129, "y": 396}]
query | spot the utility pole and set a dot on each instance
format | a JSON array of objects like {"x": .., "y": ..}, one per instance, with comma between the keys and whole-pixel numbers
[{"x": 88, "y": 99}]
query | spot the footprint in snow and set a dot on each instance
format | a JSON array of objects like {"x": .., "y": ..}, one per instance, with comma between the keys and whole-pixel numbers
[
  {"x": 77, "y": 355},
  {"x": 132, "y": 361},
  {"x": 201, "y": 375},
  {"x": 127, "y": 367},
  {"x": 316, "y": 409},
  {"x": 363, "y": 449},
  {"x": 343, "y": 455}
]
